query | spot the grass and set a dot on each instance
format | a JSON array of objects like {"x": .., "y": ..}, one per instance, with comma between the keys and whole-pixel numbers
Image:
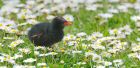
[{"x": 85, "y": 21}]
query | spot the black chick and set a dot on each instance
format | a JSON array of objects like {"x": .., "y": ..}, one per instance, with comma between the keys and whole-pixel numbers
[{"x": 46, "y": 34}]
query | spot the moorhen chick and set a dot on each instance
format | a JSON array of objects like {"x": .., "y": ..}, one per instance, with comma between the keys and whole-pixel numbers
[{"x": 47, "y": 34}]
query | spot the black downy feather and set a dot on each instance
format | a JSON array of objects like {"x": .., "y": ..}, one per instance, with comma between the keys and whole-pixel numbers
[{"x": 47, "y": 34}]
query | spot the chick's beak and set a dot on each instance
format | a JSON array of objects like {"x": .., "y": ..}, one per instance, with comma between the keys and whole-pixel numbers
[{"x": 67, "y": 23}]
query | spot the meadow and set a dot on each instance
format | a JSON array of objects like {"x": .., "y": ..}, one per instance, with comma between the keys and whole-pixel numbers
[{"x": 104, "y": 34}]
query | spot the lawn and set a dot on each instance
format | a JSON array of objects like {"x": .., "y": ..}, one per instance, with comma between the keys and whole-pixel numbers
[{"x": 104, "y": 34}]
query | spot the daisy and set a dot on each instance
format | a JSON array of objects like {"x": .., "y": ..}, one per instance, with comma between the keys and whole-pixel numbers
[
  {"x": 25, "y": 50},
  {"x": 41, "y": 64},
  {"x": 1, "y": 44},
  {"x": 62, "y": 62},
  {"x": 15, "y": 43},
  {"x": 81, "y": 34},
  {"x": 106, "y": 63},
  {"x": 118, "y": 62},
  {"x": 76, "y": 52},
  {"x": 68, "y": 17},
  {"x": 105, "y": 15},
  {"x": 29, "y": 60}
]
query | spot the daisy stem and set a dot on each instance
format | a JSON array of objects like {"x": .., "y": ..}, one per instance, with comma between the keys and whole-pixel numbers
[{"x": 91, "y": 63}]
